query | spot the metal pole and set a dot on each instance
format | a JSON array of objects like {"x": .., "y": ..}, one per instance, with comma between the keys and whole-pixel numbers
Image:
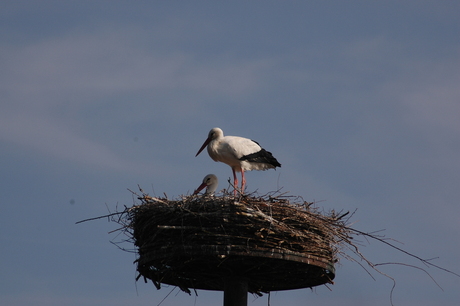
[{"x": 236, "y": 292}]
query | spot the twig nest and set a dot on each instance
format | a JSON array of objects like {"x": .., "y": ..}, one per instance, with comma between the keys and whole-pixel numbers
[{"x": 200, "y": 241}]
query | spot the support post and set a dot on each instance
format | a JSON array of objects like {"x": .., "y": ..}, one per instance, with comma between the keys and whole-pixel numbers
[{"x": 236, "y": 292}]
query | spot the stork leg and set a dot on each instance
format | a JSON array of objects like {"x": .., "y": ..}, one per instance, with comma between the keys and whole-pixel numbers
[
  {"x": 243, "y": 180},
  {"x": 235, "y": 182}
]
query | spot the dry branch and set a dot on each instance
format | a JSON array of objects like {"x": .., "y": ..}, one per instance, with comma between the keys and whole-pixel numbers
[{"x": 278, "y": 242}]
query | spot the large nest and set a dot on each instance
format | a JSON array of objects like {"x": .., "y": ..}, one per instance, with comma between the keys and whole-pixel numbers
[{"x": 201, "y": 241}]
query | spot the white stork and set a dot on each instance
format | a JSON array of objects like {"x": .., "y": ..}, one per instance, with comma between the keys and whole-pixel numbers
[
  {"x": 210, "y": 181},
  {"x": 241, "y": 154}
]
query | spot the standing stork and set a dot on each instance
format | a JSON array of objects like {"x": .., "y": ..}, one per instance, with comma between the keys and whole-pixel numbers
[
  {"x": 241, "y": 154},
  {"x": 210, "y": 181}
]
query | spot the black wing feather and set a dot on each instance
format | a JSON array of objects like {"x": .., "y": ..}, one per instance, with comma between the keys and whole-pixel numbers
[{"x": 262, "y": 156}]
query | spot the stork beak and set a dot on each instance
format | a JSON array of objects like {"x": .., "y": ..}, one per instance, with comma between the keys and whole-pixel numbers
[
  {"x": 203, "y": 146},
  {"x": 200, "y": 187}
]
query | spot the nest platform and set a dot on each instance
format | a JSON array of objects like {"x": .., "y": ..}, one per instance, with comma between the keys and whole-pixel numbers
[{"x": 201, "y": 242}]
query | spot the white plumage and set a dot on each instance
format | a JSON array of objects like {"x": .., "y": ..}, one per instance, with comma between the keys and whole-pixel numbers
[
  {"x": 241, "y": 154},
  {"x": 211, "y": 182}
]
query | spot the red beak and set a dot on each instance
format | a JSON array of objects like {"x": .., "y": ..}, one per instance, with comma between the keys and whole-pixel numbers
[
  {"x": 200, "y": 187},
  {"x": 203, "y": 146}
]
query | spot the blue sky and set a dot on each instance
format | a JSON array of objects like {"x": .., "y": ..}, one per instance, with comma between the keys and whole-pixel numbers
[{"x": 358, "y": 100}]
